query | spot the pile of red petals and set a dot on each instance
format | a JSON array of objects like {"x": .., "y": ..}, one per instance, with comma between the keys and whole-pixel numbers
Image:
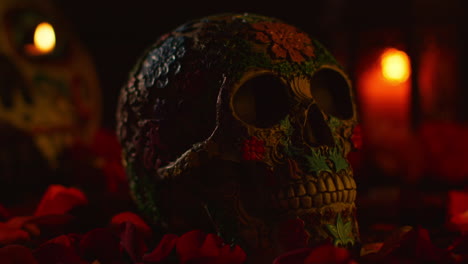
[
  {"x": 124, "y": 240},
  {"x": 42, "y": 238}
]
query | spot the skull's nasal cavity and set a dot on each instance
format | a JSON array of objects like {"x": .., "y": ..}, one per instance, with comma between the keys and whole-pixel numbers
[{"x": 316, "y": 132}]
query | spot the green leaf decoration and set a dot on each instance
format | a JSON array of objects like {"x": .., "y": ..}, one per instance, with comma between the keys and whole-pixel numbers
[
  {"x": 337, "y": 157},
  {"x": 342, "y": 232},
  {"x": 334, "y": 123},
  {"x": 317, "y": 162},
  {"x": 286, "y": 126}
]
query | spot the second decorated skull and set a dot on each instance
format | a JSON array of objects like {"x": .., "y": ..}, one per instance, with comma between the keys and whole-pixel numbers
[{"x": 240, "y": 124}]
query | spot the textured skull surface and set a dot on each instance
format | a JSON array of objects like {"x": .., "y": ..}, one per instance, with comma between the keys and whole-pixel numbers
[{"x": 240, "y": 124}]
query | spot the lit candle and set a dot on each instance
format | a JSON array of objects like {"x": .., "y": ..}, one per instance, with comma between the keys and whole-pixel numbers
[
  {"x": 384, "y": 94},
  {"x": 43, "y": 40}
]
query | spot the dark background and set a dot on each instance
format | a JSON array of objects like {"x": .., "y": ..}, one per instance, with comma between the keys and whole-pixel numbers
[{"x": 116, "y": 33}]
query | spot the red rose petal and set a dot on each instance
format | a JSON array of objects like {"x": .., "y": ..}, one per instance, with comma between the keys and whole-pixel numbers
[
  {"x": 197, "y": 248},
  {"x": 16, "y": 254},
  {"x": 296, "y": 256},
  {"x": 189, "y": 244},
  {"x": 100, "y": 244},
  {"x": 59, "y": 200},
  {"x": 163, "y": 250},
  {"x": 132, "y": 241},
  {"x": 10, "y": 235},
  {"x": 47, "y": 226},
  {"x": 328, "y": 254},
  {"x": 69, "y": 240},
  {"x": 211, "y": 246},
  {"x": 52, "y": 253},
  {"x": 135, "y": 219},
  {"x": 233, "y": 255}
]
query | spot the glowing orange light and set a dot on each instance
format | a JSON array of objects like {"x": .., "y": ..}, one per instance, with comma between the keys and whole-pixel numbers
[
  {"x": 395, "y": 65},
  {"x": 44, "y": 38}
]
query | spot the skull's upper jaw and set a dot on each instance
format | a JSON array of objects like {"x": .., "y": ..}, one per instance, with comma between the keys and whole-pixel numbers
[{"x": 315, "y": 193}]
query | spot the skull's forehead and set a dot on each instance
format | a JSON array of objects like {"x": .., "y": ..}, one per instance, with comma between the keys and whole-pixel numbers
[
  {"x": 250, "y": 41},
  {"x": 231, "y": 45}
]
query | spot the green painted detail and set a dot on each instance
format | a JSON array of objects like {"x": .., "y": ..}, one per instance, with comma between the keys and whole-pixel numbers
[
  {"x": 254, "y": 18},
  {"x": 317, "y": 162},
  {"x": 342, "y": 232},
  {"x": 336, "y": 156},
  {"x": 334, "y": 123},
  {"x": 288, "y": 129}
]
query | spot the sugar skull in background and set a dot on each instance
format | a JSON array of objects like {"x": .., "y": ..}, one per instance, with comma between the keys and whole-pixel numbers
[
  {"x": 240, "y": 125},
  {"x": 49, "y": 93}
]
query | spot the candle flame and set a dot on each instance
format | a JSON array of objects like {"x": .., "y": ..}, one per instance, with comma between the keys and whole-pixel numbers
[
  {"x": 395, "y": 65},
  {"x": 44, "y": 38}
]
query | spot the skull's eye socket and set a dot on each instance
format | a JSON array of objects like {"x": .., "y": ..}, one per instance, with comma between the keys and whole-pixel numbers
[
  {"x": 332, "y": 93},
  {"x": 261, "y": 101}
]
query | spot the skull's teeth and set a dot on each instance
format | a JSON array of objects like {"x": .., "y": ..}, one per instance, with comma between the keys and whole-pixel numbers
[
  {"x": 311, "y": 189},
  {"x": 306, "y": 202},
  {"x": 339, "y": 183},
  {"x": 347, "y": 182},
  {"x": 294, "y": 202},
  {"x": 330, "y": 185},
  {"x": 339, "y": 196},
  {"x": 336, "y": 189},
  {"x": 300, "y": 191},
  {"x": 321, "y": 186},
  {"x": 318, "y": 200}
]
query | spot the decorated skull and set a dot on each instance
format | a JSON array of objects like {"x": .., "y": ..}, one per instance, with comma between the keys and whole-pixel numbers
[
  {"x": 240, "y": 124},
  {"x": 49, "y": 94}
]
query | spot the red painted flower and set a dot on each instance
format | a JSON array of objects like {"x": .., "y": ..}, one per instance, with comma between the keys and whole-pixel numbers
[
  {"x": 253, "y": 149},
  {"x": 287, "y": 41}
]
